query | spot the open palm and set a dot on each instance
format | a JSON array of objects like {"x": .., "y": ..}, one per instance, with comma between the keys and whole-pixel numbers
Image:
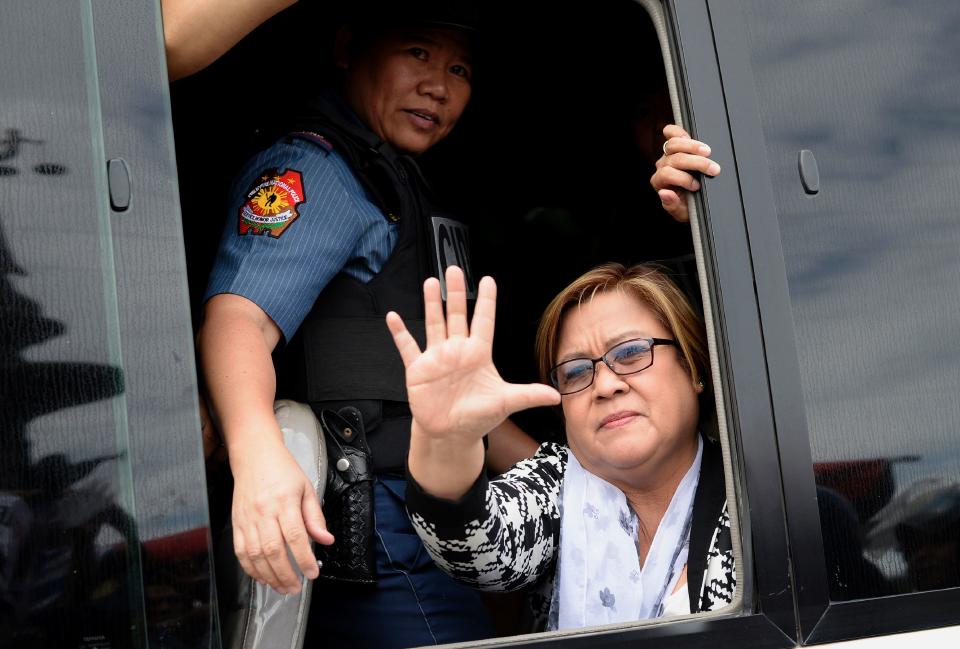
[{"x": 454, "y": 390}]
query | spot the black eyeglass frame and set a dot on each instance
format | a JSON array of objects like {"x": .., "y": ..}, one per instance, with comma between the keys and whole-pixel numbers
[{"x": 593, "y": 362}]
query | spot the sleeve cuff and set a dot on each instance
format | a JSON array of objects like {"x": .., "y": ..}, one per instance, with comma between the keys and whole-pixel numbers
[{"x": 445, "y": 513}]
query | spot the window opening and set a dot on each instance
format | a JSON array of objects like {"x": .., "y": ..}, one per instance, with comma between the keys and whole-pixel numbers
[{"x": 551, "y": 164}]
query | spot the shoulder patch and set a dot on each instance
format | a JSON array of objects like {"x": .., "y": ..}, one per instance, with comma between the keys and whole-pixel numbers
[{"x": 271, "y": 203}]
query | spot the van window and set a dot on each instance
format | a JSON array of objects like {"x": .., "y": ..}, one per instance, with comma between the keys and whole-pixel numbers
[{"x": 873, "y": 267}]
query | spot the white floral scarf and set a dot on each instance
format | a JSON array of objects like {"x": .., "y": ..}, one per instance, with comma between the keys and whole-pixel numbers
[{"x": 599, "y": 579}]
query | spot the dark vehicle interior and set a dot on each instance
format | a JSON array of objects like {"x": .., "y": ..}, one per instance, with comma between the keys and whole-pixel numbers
[{"x": 550, "y": 164}]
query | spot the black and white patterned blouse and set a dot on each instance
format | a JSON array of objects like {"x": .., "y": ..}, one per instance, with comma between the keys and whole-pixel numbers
[{"x": 503, "y": 535}]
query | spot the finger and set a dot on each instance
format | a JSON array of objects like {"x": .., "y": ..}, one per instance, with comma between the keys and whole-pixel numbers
[
  {"x": 672, "y": 130},
  {"x": 260, "y": 566},
  {"x": 675, "y": 204},
  {"x": 456, "y": 303},
  {"x": 406, "y": 344},
  {"x": 433, "y": 312},
  {"x": 295, "y": 537},
  {"x": 673, "y": 178},
  {"x": 240, "y": 549},
  {"x": 485, "y": 313},
  {"x": 686, "y": 145},
  {"x": 689, "y": 162},
  {"x": 274, "y": 551},
  {"x": 532, "y": 395},
  {"x": 314, "y": 520}
]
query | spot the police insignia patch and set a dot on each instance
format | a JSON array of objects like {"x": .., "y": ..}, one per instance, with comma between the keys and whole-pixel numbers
[{"x": 271, "y": 203}]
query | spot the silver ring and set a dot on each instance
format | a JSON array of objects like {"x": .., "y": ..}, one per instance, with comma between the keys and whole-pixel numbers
[{"x": 665, "y": 149}]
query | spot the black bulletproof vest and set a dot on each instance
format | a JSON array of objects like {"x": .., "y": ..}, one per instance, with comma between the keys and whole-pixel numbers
[{"x": 343, "y": 353}]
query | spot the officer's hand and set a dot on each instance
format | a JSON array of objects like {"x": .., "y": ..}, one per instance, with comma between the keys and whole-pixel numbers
[
  {"x": 275, "y": 507},
  {"x": 675, "y": 175}
]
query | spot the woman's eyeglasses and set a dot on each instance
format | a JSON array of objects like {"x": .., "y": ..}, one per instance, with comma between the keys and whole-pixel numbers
[{"x": 628, "y": 357}]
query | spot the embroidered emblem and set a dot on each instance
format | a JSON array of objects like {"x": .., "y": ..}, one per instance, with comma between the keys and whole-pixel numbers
[{"x": 271, "y": 203}]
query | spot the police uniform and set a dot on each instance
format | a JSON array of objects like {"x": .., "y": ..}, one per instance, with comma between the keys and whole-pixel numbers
[{"x": 330, "y": 229}]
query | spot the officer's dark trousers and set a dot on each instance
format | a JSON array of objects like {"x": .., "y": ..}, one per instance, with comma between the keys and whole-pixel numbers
[{"x": 413, "y": 604}]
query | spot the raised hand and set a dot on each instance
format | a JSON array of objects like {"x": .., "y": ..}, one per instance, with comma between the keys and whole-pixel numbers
[
  {"x": 456, "y": 394},
  {"x": 453, "y": 387},
  {"x": 682, "y": 157}
]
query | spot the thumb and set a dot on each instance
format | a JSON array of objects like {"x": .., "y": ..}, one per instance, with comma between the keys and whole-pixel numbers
[
  {"x": 675, "y": 205},
  {"x": 313, "y": 518},
  {"x": 531, "y": 395}
]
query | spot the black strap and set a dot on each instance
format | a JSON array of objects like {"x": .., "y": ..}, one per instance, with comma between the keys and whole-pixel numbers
[{"x": 707, "y": 506}]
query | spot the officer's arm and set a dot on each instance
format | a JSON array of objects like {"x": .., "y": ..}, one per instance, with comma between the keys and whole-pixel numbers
[
  {"x": 507, "y": 445},
  {"x": 236, "y": 341},
  {"x": 274, "y": 504},
  {"x": 198, "y": 32}
]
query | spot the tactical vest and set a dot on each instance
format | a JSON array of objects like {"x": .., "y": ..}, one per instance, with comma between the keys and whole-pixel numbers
[{"x": 343, "y": 353}]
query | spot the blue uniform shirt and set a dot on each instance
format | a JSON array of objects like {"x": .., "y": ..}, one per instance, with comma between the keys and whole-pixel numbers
[{"x": 298, "y": 217}]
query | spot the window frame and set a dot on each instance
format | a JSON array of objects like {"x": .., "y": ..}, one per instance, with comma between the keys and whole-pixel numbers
[
  {"x": 161, "y": 385},
  {"x": 730, "y": 276},
  {"x": 819, "y": 620}
]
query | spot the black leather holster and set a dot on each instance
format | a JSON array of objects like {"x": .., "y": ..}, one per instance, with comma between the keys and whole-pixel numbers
[{"x": 348, "y": 501}]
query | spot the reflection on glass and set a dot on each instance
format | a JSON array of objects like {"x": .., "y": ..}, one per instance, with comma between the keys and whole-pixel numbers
[
  {"x": 11, "y": 143},
  {"x": 103, "y": 524},
  {"x": 873, "y": 270},
  {"x": 52, "y": 508},
  {"x": 49, "y": 169},
  {"x": 922, "y": 523},
  {"x": 10, "y": 147}
]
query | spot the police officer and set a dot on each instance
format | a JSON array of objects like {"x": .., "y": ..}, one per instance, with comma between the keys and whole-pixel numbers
[{"x": 330, "y": 228}]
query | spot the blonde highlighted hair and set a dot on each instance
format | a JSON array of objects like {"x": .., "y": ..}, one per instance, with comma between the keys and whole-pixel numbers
[{"x": 656, "y": 291}]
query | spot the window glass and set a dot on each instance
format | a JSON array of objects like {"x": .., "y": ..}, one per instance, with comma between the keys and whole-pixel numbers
[
  {"x": 68, "y": 570},
  {"x": 873, "y": 268}
]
